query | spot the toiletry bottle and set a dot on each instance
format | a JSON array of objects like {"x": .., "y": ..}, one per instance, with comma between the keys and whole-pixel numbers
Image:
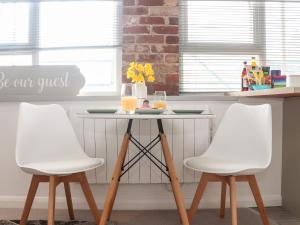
[
  {"x": 253, "y": 63},
  {"x": 244, "y": 78}
]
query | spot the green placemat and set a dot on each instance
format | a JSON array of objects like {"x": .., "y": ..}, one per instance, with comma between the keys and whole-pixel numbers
[
  {"x": 101, "y": 110},
  {"x": 187, "y": 111}
]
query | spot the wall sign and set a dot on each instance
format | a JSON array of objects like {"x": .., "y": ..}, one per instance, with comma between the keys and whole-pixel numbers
[{"x": 40, "y": 80}]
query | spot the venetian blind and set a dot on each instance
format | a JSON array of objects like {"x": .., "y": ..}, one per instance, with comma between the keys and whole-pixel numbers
[
  {"x": 86, "y": 33},
  {"x": 218, "y": 35}
]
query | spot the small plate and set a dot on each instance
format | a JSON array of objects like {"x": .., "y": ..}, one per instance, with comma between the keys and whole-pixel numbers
[
  {"x": 101, "y": 110},
  {"x": 187, "y": 111},
  {"x": 149, "y": 111}
]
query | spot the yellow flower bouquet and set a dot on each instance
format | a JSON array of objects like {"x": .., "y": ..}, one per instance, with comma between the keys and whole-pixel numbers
[{"x": 139, "y": 73}]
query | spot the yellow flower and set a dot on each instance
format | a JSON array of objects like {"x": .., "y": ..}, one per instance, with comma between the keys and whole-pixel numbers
[
  {"x": 140, "y": 78},
  {"x": 148, "y": 66},
  {"x": 134, "y": 79},
  {"x": 140, "y": 68},
  {"x": 130, "y": 73},
  {"x": 151, "y": 79},
  {"x": 132, "y": 65}
]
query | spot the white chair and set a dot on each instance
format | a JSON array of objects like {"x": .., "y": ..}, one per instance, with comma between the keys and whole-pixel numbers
[
  {"x": 242, "y": 146},
  {"x": 47, "y": 148}
]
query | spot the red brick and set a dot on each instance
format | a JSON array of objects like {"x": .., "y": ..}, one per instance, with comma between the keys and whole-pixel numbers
[
  {"x": 165, "y": 49},
  {"x": 166, "y": 68},
  {"x": 151, "y": 2},
  {"x": 128, "y": 2},
  {"x": 128, "y": 39},
  {"x": 142, "y": 48},
  {"x": 135, "y": 11},
  {"x": 171, "y": 2},
  {"x": 128, "y": 57},
  {"x": 172, "y": 39},
  {"x": 136, "y": 30},
  {"x": 152, "y": 39},
  {"x": 171, "y": 58},
  {"x": 152, "y": 20},
  {"x": 164, "y": 11},
  {"x": 173, "y": 20},
  {"x": 165, "y": 29},
  {"x": 130, "y": 20},
  {"x": 150, "y": 58},
  {"x": 172, "y": 79}
]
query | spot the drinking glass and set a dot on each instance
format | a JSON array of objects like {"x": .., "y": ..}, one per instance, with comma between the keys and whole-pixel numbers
[
  {"x": 160, "y": 100},
  {"x": 128, "y": 101}
]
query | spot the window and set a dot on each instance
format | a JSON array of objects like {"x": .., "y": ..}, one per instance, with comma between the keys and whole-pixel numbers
[
  {"x": 85, "y": 33},
  {"x": 217, "y": 36}
]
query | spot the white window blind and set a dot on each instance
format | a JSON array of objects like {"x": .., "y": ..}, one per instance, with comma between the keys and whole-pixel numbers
[
  {"x": 86, "y": 33},
  {"x": 218, "y": 35}
]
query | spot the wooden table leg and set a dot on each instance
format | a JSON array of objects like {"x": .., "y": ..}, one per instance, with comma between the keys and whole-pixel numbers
[
  {"x": 113, "y": 187},
  {"x": 174, "y": 180}
]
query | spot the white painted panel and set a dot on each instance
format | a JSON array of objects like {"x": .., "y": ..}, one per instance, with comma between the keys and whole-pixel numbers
[
  {"x": 77, "y": 124},
  {"x": 134, "y": 172},
  {"x": 144, "y": 135},
  {"x": 188, "y": 148},
  {"x": 202, "y": 139},
  {"x": 155, "y": 173},
  {"x": 89, "y": 144},
  {"x": 101, "y": 150},
  {"x": 112, "y": 146},
  {"x": 178, "y": 154}
]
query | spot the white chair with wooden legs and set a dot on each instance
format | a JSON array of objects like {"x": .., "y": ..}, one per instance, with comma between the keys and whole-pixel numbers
[
  {"x": 48, "y": 148},
  {"x": 242, "y": 147}
]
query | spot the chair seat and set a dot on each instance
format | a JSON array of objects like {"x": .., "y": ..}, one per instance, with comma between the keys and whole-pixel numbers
[
  {"x": 221, "y": 166},
  {"x": 63, "y": 167}
]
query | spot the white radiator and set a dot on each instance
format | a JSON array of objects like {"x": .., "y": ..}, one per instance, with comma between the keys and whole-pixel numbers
[{"x": 103, "y": 138}]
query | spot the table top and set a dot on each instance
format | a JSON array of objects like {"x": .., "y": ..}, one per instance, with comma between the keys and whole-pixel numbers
[{"x": 165, "y": 115}]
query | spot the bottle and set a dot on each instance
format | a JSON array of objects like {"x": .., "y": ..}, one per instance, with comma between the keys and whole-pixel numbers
[
  {"x": 253, "y": 63},
  {"x": 245, "y": 85}
]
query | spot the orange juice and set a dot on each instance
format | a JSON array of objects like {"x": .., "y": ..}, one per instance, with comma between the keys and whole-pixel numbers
[
  {"x": 160, "y": 105},
  {"x": 128, "y": 103}
]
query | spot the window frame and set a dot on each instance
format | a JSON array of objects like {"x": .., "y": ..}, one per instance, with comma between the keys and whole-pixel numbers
[
  {"x": 33, "y": 49},
  {"x": 210, "y": 48}
]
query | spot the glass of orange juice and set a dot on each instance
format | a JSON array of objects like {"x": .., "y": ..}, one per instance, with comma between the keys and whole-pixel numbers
[
  {"x": 128, "y": 101},
  {"x": 160, "y": 100}
]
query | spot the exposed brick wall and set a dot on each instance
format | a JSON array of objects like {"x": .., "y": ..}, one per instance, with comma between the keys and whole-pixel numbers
[{"x": 150, "y": 35}]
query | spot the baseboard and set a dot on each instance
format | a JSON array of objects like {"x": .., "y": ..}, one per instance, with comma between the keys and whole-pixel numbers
[{"x": 134, "y": 204}]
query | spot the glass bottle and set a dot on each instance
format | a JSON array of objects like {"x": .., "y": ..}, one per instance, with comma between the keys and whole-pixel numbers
[{"x": 245, "y": 85}]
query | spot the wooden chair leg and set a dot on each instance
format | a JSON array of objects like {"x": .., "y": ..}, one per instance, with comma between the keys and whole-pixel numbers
[
  {"x": 69, "y": 200},
  {"x": 223, "y": 199},
  {"x": 233, "y": 203},
  {"x": 51, "y": 201},
  {"x": 29, "y": 200},
  {"x": 89, "y": 197},
  {"x": 257, "y": 196},
  {"x": 198, "y": 195}
]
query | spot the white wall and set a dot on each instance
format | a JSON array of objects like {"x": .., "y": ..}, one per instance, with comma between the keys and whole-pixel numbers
[{"x": 14, "y": 183}]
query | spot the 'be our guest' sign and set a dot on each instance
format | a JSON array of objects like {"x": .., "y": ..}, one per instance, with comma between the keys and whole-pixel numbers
[{"x": 40, "y": 80}]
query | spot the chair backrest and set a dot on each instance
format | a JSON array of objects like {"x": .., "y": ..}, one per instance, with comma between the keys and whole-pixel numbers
[
  {"x": 44, "y": 134},
  {"x": 245, "y": 134}
]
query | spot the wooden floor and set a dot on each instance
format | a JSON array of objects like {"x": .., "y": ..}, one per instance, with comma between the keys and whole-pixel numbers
[{"x": 281, "y": 216}]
